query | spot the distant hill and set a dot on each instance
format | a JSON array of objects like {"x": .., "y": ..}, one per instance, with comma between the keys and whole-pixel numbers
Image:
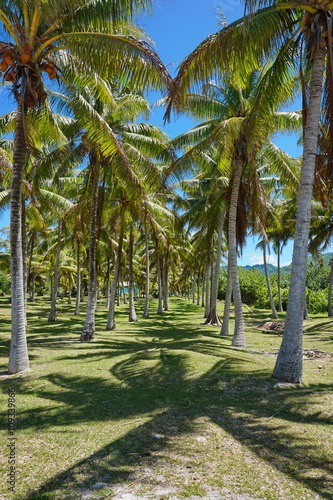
[
  {"x": 260, "y": 267},
  {"x": 285, "y": 269}
]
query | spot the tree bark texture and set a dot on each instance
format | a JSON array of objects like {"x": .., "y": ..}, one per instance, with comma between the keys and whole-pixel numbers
[
  {"x": 88, "y": 331},
  {"x": 238, "y": 339},
  {"x": 213, "y": 318},
  {"x": 18, "y": 355},
  {"x": 289, "y": 363}
]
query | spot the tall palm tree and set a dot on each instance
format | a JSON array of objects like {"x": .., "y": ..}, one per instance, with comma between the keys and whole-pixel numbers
[
  {"x": 241, "y": 118},
  {"x": 45, "y": 38}
]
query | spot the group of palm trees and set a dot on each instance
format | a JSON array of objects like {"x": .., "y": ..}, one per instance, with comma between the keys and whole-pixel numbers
[{"x": 88, "y": 182}]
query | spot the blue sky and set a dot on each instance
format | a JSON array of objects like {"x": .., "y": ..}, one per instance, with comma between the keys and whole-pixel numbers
[{"x": 177, "y": 27}]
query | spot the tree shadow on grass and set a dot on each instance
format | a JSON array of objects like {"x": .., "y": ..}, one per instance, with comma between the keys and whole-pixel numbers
[{"x": 157, "y": 381}]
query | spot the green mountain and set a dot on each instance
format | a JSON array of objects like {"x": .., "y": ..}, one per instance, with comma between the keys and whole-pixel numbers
[{"x": 286, "y": 269}]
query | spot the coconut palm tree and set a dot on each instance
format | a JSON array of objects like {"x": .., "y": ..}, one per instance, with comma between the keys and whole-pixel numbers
[
  {"x": 278, "y": 31},
  {"x": 241, "y": 119},
  {"x": 45, "y": 38}
]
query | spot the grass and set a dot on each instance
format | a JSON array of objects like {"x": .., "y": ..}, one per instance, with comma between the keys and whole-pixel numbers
[{"x": 165, "y": 407}]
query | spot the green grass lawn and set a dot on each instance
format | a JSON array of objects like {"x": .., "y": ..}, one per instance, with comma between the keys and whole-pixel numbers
[{"x": 165, "y": 408}]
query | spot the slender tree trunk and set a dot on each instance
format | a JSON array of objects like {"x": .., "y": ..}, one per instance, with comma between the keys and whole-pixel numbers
[
  {"x": 132, "y": 313},
  {"x": 108, "y": 284},
  {"x": 306, "y": 311},
  {"x": 289, "y": 362},
  {"x": 159, "y": 281},
  {"x": 32, "y": 287},
  {"x": 198, "y": 291},
  {"x": 111, "y": 323},
  {"x": 203, "y": 291},
  {"x": 238, "y": 339},
  {"x": 53, "y": 311},
  {"x": 146, "y": 310},
  {"x": 213, "y": 318},
  {"x": 18, "y": 355},
  {"x": 78, "y": 281},
  {"x": 227, "y": 303},
  {"x": 268, "y": 283},
  {"x": 280, "y": 307},
  {"x": 208, "y": 290},
  {"x": 88, "y": 330},
  {"x": 330, "y": 286},
  {"x": 166, "y": 285},
  {"x": 193, "y": 288},
  {"x": 124, "y": 293}
]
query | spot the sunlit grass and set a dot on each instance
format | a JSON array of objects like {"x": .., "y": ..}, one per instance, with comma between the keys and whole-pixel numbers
[{"x": 166, "y": 403}]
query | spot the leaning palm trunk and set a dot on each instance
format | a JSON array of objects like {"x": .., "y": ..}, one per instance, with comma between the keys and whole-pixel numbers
[
  {"x": 289, "y": 362},
  {"x": 227, "y": 303},
  {"x": 238, "y": 339},
  {"x": 146, "y": 310},
  {"x": 88, "y": 331},
  {"x": 330, "y": 286},
  {"x": 111, "y": 323},
  {"x": 78, "y": 281},
  {"x": 268, "y": 283},
  {"x": 132, "y": 313},
  {"x": 53, "y": 311},
  {"x": 213, "y": 318},
  {"x": 18, "y": 355}
]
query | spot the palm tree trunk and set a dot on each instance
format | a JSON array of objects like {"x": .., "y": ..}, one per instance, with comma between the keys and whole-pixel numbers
[
  {"x": 213, "y": 318},
  {"x": 198, "y": 290},
  {"x": 88, "y": 331},
  {"x": 208, "y": 290},
  {"x": 132, "y": 313},
  {"x": 280, "y": 307},
  {"x": 53, "y": 311},
  {"x": 289, "y": 362},
  {"x": 111, "y": 323},
  {"x": 159, "y": 282},
  {"x": 203, "y": 291},
  {"x": 238, "y": 339},
  {"x": 166, "y": 285},
  {"x": 268, "y": 283},
  {"x": 227, "y": 303},
  {"x": 78, "y": 281},
  {"x": 146, "y": 310},
  {"x": 330, "y": 286},
  {"x": 193, "y": 288},
  {"x": 18, "y": 355},
  {"x": 108, "y": 284}
]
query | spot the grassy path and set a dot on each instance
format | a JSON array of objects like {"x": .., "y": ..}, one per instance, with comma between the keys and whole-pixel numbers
[{"x": 163, "y": 409}]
